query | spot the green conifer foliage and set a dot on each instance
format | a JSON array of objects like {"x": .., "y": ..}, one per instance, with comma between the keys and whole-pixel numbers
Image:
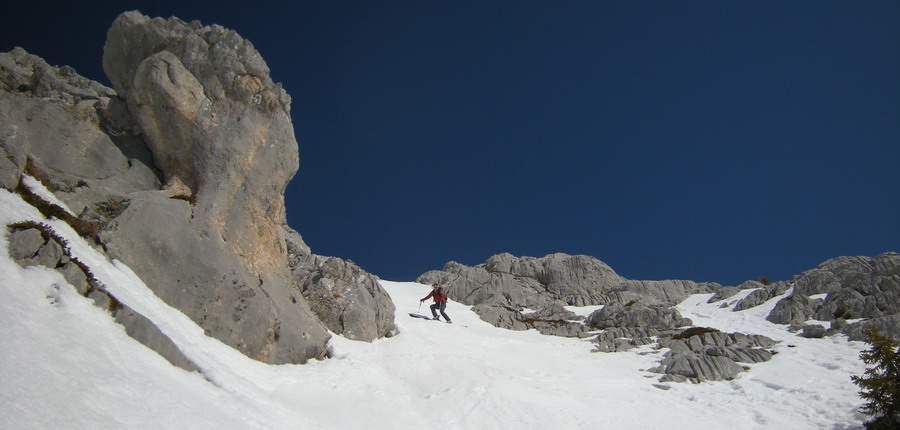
[{"x": 880, "y": 383}]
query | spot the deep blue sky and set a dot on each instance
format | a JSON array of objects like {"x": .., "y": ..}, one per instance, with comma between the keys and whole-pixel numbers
[{"x": 706, "y": 140}]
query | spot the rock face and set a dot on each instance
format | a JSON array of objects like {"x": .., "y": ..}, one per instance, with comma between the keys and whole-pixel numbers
[
  {"x": 505, "y": 285},
  {"x": 853, "y": 288},
  {"x": 180, "y": 172},
  {"x": 348, "y": 300}
]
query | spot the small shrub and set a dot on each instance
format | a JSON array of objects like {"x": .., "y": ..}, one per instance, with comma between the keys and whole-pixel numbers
[
  {"x": 50, "y": 210},
  {"x": 190, "y": 199},
  {"x": 32, "y": 170},
  {"x": 765, "y": 281},
  {"x": 111, "y": 208}
]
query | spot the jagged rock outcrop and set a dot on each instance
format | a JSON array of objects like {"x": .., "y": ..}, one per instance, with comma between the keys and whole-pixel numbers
[
  {"x": 180, "y": 172},
  {"x": 853, "y": 287},
  {"x": 554, "y": 319},
  {"x": 794, "y": 309},
  {"x": 577, "y": 280},
  {"x": 762, "y": 295},
  {"x": 619, "y": 339},
  {"x": 505, "y": 285},
  {"x": 348, "y": 300},
  {"x": 710, "y": 355},
  {"x": 637, "y": 315}
]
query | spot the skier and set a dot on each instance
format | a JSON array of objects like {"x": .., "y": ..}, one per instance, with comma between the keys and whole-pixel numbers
[{"x": 440, "y": 302}]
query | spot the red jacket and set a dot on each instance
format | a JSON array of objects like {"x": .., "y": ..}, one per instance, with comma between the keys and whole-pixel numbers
[{"x": 439, "y": 295}]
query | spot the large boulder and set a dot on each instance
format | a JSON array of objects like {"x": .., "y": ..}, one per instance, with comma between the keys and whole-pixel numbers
[{"x": 794, "y": 309}]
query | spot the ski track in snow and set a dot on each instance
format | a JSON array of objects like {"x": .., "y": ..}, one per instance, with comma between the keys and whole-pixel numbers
[{"x": 67, "y": 364}]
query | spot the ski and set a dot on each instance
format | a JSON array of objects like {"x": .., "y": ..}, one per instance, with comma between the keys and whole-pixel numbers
[{"x": 425, "y": 317}]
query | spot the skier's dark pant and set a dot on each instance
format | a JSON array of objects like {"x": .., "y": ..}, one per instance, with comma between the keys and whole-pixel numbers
[{"x": 439, "y": 306}]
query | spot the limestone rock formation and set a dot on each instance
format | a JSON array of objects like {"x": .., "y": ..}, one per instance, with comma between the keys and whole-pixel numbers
[
  {"x": 348, "y": 300},
  {"x": 637, "y": 315},
  {"x": 711, "y": 355},
  {"x": 180, "y": 172},
  {"x": 762, "y": 295},
  {"x": 505, "y": 285},
  {"x": 853, "y": 287}
]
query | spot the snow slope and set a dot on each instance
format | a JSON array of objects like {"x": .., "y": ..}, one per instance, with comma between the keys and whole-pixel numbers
[{"x": 66, "y": 364}]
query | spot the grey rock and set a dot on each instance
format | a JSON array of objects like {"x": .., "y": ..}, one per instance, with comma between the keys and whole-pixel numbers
[
  {"x": 528, "y": 282},
  {"x": 637, "y": 315},
  {"x": 618, "y": 339},
  {"x": 698, "y": 368},
  {"x": 837, "y": 326},
  {"x": 500, "y": 316},
  {"x": 814, "y": 331},
  {"x": 794, "y": 309},
  {"x": 702, "y": 342},
  {"x": 578, "y": 280},
  {"x": 139, "y": 327},
  {"x": 183, "y": 169},
  {"x": 196, "y": 272},
  {"x": 24, "y": 244},
  {"x": 476, "y": 285},
  {"x": 727, "y": 292},
  {"x": 555, "y": 311},
  {"x": 50, "y": 254},
  {"x": 710, "y": 356},
  {"x": 889, "y": 325},
  {"x": 552, "y": 320},
  {"x": 667, "y": 292},
  {"x": 215, "y": 122},
  {"x": 869, "y": 275},
  {"x": 724, "y": 293},
  {"x": 63, "y": 140},
  {"x": 75, "y": 277},
  {"x": 556, "y": 320},
  {"x": 348, "y": 300},
  {"x": 856, "y": 287},
  {"x": 762, "y": 295},
  {"x": 31, "y": 76}
]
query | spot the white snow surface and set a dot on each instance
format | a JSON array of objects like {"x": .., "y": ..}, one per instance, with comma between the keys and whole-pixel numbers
[{"x": 67, "y": 364}]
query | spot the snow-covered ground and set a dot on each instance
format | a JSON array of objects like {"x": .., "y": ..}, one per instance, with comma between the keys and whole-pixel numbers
[{"x": 66, "y": 364}]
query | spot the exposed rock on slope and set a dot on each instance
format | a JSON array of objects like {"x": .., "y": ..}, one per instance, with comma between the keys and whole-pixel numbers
[
  {"x": 505, "y": 285},
  {"x": 853, "y": 288},
  {"x": 711, "y": 355},
  {"x": 180, "y": 172},
  {"x": 637, "y": 313},
  {"x": 348, "y": 300}
]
